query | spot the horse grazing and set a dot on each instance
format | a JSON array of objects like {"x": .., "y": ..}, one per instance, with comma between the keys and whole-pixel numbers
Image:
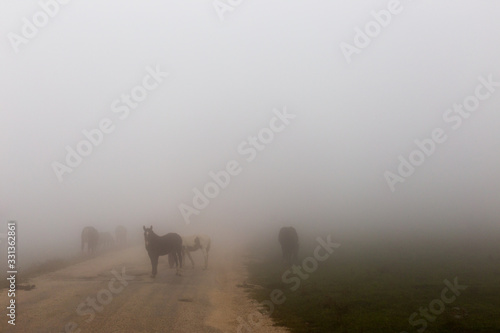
[
  {"x": 106, "y": 241},
  {"x": 121, "y": 236},
  {"x": 90, "y": 236},
  {"x": 289, "y": 241},
  {"x": 191, "y": 244},
  {"x": 162, "y": 245}
]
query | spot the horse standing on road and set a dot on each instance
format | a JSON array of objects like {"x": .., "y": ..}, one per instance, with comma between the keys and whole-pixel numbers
[
  {"x": 162, "y": 245},
  {"x": 194, "y": 243},
  {"x": 191, "y": 244},
  {"x": 289, "y": 241},
  {"x": 90, "y": 236}
]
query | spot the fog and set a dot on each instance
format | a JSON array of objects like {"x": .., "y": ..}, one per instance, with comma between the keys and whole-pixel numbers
[{"x": 322, "y": 169}]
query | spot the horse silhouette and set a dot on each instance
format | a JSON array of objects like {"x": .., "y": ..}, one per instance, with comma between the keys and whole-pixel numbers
[
  {"x": 191, "y": 244},
  {"x": 162, "y": 245},
  {"x": 194, "y": 243},
  {"x": 121, "y": 236},
  {"x": 90, "y": 236},
  {"x": 289, "y": 241}
]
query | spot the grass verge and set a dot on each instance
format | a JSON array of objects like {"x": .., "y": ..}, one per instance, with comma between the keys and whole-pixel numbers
[{"x": 376, "y": 287}]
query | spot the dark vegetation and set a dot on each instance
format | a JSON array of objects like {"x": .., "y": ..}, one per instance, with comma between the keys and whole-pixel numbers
[{"x": 374, "y": 284}]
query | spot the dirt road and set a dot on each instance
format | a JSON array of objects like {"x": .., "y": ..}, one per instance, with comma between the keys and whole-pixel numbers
[{"x": 114, "y": 293}]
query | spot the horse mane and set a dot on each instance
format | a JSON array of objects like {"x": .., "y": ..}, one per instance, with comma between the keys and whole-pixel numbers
[{"x": 152, "y": 234}]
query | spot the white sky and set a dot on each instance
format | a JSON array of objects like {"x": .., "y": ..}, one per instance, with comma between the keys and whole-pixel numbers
[{"x": 225, "y": 78}]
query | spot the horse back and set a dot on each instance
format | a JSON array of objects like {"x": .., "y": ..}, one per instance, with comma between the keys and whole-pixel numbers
[
  {"x": 171, "y": 242},
  {"x": 196, "y": 242},
  {"x": 90, "y": 234}
]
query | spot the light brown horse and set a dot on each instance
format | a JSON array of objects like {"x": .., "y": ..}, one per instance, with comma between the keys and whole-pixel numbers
[{"x": 192, "y": 244}]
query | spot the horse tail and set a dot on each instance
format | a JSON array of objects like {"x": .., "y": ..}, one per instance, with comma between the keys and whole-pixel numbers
[
  {"x": 180, "y": 252},
  {"x": 172, "y": 260}
]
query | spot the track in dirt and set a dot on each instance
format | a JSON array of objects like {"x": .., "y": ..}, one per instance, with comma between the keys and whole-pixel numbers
[{"x": 114, "y": 293}]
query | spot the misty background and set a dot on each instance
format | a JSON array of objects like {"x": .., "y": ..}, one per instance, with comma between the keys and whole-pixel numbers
[{"x": 324, "y": 172}]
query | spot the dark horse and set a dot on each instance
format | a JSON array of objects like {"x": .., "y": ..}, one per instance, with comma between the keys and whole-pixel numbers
[
  {"x": 289, "y": 241},
  {"x": 91, "y": 237},
  {"x": 161, "y": 245},
  {"x": 121, "y": 236}
]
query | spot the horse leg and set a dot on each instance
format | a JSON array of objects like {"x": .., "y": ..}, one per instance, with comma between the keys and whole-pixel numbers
[
  {"x": 183, "y": 252},
  {"x": 190, "y": 259},
  {"x": 154, "y": 265},
  {"x": 205, "y": 256},
  {"x": 289, "y": 257},
  {"x": 296, "y": 255},
  {"x": 179, "y": 254},
  {"x": 178, "y": 260},
  {"x": 171, "y": 261}
]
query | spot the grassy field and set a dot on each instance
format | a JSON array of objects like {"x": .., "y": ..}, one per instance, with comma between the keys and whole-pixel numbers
[{"x": 376, "y": 285}]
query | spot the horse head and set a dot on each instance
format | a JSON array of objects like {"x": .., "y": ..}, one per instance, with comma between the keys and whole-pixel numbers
[{"x": 148, "y": 232}]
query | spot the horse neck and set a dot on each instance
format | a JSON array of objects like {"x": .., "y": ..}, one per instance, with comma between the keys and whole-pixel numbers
[
  {"x": 194, "y": 244},
  {"x": 152, "y": 235}
]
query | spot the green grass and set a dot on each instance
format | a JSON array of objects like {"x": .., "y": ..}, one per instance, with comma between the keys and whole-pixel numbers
[{"x": 376, "y": 287}]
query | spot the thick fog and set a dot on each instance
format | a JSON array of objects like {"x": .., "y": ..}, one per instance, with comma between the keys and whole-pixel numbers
[{"x": 306, "y": 113}]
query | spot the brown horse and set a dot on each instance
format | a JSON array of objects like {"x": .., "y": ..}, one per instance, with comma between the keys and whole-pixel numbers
[
  {"x": 90, "y": 236},
  {"x": 162, "y": 245}
]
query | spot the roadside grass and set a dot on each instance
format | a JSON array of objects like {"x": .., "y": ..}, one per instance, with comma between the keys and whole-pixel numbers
[{"x": 376, "y": 286}]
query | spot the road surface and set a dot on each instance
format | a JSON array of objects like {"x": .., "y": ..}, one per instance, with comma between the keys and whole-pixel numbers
[{"x": 113, "y": 292}]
